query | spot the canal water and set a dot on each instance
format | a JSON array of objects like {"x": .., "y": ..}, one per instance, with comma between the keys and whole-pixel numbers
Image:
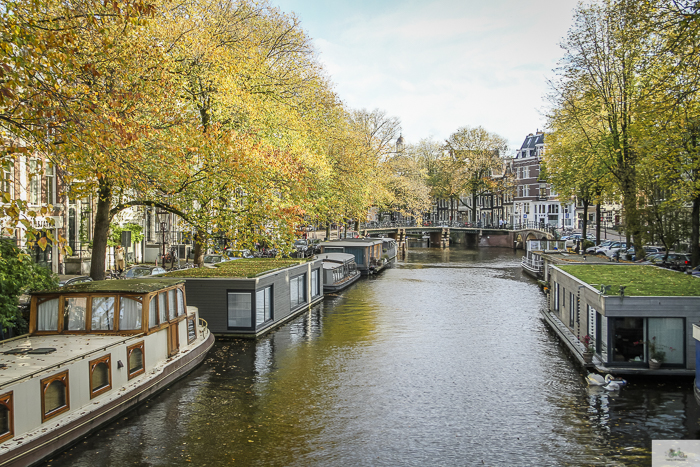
[{"x": 442, "y": 360}]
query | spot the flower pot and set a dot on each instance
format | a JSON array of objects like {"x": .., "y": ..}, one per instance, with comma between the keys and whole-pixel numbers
[
  {"x": 654, "y": 364},
  {"x": 588, "y": 357}
]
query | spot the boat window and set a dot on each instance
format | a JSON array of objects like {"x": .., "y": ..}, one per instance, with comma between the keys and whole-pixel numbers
[
  {"x": 172, "y": 304},
  {"x": 180, "y": 302},
  {"x": 75, "y": 309},
  {"x": 6, "y": 417},
  {"x": 628, "y": 339},
  {"x": 129, "y": 314},
  {"x": 191, "y": 329},
  {"x": 297, "y": 290},
  {"x": 135, "y": 357},
  {"x": 314, "y": 283},
  {"x": 239, "y": 310},
  {"x": 162, "y": 310},
  {"x": 102, "y": 316},
  {"x": 47, "y": 315},
  {"x": 667, "y": 335},
  {"x": 55, "y": 398},
  {"x": 100, "y": 377},
  {"x": 152, "y": 313},
  {"x": 263, "y": 305}
]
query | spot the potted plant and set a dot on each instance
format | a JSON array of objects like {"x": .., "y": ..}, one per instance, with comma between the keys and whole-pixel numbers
[
  {"x": 656, "y": 355},
  {"x": 589, "y": 348}
]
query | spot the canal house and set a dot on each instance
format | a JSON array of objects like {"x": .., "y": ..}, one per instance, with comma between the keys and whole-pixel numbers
[
  {"x": 367, "y": 252},
  {"x": 638, "y": 317},
  {"x": 250, "y": 297}
]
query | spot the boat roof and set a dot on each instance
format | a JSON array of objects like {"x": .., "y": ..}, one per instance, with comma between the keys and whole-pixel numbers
[
  {"x": 66, "y": 347},
  {"x": 352, "y": 242},
  {"x": 116, "y": 286},
  {"x": 336, "y": 256}
]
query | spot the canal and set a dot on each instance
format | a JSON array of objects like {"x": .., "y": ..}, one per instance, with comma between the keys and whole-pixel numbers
[{"x": 441, "y": 360}]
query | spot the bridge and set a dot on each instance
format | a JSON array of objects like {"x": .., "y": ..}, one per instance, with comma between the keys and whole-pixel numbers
[{"x": 472, "y": 236}]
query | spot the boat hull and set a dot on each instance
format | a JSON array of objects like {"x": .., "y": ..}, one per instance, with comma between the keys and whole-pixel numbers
[
  {"x": 338, "y": 286},
  {"x": 61, "y": 438}
]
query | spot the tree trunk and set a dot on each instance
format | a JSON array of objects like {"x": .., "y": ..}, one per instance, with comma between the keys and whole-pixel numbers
[
  {"x": 695, "y": 233},
  {"x": 473, "y": 207},
  {"x": 584, "y": 224},
  {"x": 597, "y": 223},
  {"x": 328, "y": 231},
  {"x": 198, "y": 250},
  {"x": 101, "y": 231}
]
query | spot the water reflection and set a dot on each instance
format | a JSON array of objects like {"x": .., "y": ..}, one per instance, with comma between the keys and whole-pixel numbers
[{"x": 442, "y": 359}]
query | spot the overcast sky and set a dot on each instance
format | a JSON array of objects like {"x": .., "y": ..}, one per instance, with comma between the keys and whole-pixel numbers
[{"x": 438, "y": 65}]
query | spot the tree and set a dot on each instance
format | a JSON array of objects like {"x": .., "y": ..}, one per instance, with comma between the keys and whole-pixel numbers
[
  {"x": 473, "y": 157},
  {"x": 18, "y": 275}
]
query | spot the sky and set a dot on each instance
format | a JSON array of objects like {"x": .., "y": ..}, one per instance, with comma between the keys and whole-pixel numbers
[{"x": 439, "y": 65}]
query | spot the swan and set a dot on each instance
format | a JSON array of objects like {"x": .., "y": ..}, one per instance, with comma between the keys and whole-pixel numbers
[{"x": 609, "y": 380}]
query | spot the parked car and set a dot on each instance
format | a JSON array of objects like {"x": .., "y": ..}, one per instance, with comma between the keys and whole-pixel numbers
[
  {"x": 143, "y": 271},
  {"x": 237, "y": 254},
  {"x": 695, "y": 272},
  {"x": 616, "y": 248},
  {"x": 594, "y": 248},
  {"x": 213, "y": 259},
  {"x": 301, "y": 247},
  {"x": 676, "y": 261},
  {"x": 74, "y": 280},
  {"x": 603, "y": 248}
]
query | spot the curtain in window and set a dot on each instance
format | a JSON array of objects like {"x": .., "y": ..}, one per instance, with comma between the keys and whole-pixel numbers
[
  {"x": 180, "y": 302},
  {"x": 172, "y": 304},
  {"x": 314, "y": 283},
  {"x": 152, "y": 313},
  {"x": 260, "y": 307},
  {"x": 669, "y": 337},
  {"x": 239, "y": 309},
  {"x": 100, "y": 376},
  {"x": 294, "y": 292},
  {"x": 47, "y": 316},
  {"x": 102, "y": 314},
  {"x": 268, "y": 303},
  {"x": 162, "y": 310},
  {"x": 129, "y": 314},
  {"x": 54, "y": 397},
  {"x": 75, "y": 310}
]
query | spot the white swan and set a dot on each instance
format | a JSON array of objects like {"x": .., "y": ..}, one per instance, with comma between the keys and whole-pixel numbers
[{"x": 610, "y": 383}]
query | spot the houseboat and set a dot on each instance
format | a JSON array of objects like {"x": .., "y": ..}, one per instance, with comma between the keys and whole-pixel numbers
[
  {"x": 368, "y": 252},
  {"x": 238, "y": 306},
  {"x": 532, "y": 263},
  {"x": 631, "y": 328},
  {"x": 94, "y": 350},
  {"x": 339, "y": 271}
]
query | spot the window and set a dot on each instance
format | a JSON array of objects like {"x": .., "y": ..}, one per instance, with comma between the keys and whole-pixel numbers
[
  {"x": 162, "y": 310},
  {"x": 191, "y": 329},
  {"x": 667, "y": 334},
  {"x": 102, "y": 318},
  {"x": 7, "y": 182},
  {"x": 153, "y": 313},
  {"x": 627, "y": 331},
  {"x": 526, "y": 190},
  {"x": 129, "y": 314},
  {"x": 100, "y": 376},
  {"x": 180, "y": 302},
  {"x": 34, "y": 182},
  {"x": 7, "y": 423},
  {"x": 172, "y": 304},
  {"x": 572, "y": 309},
  {"x": 55, "y": 398},
  {"x": 239, "y": 309},
  {"x": 47, "y": 315},
  {"x": 526, "y": 172},
  {"x": 74, "y": 313},
  {"x": 315, "y": 283},
  {"x": 135, "y": 357},
  {"x": 50, "y": 173},
  {"x": 297, "y": 290},
  {"x": 263, "y": 305}
]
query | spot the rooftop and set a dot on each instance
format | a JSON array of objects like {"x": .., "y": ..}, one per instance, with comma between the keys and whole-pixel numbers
[
  {"x": 116, "y": 286},
  {"x": 244, "y": 268},
  {"x": 638, "y": 280}
]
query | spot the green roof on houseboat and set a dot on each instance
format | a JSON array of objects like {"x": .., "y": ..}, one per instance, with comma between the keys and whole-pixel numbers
[
  {"x": 241, "y": 268},
  {"x": 638, "y": 280},
  {"x": 116, "y": 286}
]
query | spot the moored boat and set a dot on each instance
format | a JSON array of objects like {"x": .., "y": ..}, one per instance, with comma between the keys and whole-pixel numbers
[
  {"x": 94, "y": 350},
  {"x": 339, "y": 271}
]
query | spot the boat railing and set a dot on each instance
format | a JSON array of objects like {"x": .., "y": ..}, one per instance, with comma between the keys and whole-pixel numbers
[
  {"x": 203, "y": 326},
  {"x": 534, "y": 264}
]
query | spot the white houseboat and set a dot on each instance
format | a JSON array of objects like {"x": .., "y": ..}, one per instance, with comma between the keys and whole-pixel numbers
[
  {"x": 368, "y": 252},
  {"x": 94, "y": 350},
  {"x": 339, "y": 271}
]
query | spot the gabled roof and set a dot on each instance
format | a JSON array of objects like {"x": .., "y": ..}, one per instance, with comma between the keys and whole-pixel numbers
[{"x": 531, "y": 141}]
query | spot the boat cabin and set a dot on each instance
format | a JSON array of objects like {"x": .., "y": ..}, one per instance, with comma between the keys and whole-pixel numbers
[
  {"x": 367, "y": 251},
  {"x": 338, "y": 270}
]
